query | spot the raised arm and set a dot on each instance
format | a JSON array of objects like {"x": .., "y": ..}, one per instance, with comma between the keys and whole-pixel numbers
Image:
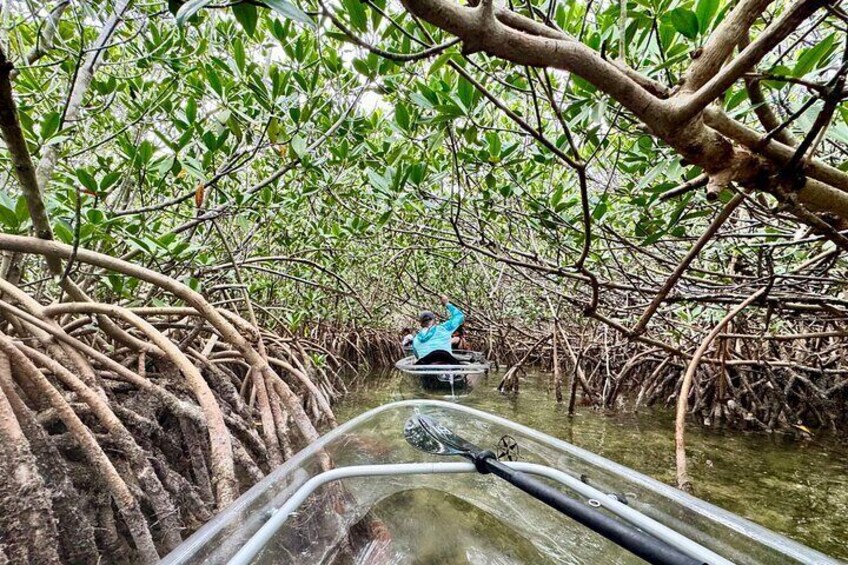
[{"x": 456, "y": 316}]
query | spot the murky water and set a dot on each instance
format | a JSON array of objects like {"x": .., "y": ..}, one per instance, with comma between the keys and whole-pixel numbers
[{"x": 793, "y": 486}]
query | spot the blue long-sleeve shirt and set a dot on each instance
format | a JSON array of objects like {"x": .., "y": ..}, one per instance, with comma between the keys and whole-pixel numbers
[{"x": 438, "y": 337}]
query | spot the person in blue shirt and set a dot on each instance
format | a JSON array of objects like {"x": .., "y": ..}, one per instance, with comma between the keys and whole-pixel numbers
[{"x": 432, "y": 343}]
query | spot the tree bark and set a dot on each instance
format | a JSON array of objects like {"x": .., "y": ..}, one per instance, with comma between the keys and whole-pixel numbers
[
  {"x": 79, "y": 88},
  {"x": 684, "y": 482},
  {"x": 22, "y": 165}
]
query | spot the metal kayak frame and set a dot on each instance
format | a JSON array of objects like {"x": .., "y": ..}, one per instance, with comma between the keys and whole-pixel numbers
[
  {"x": 594, "y": 498},
  {"x": 407, "y": 365},
  {"x": 297, "y": 485}
]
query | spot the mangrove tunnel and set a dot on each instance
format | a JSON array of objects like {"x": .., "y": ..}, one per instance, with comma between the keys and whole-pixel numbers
[{"x": 221, "y": 222}]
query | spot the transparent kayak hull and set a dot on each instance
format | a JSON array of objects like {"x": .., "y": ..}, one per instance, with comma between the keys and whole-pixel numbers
[{"x": 394, "y": 517}]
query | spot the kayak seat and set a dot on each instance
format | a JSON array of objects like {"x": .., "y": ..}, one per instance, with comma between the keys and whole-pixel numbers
[{"x": 439, "y": 357}]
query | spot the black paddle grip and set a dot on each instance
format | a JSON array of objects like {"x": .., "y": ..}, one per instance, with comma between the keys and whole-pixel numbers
[{"x": 641, "y": 544}]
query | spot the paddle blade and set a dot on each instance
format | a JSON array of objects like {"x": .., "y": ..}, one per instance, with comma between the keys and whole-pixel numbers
[{"x": 428, "y": 435}]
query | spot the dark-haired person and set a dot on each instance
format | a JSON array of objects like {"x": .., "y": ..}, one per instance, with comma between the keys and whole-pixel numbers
[{"x": 432, "y": 343}]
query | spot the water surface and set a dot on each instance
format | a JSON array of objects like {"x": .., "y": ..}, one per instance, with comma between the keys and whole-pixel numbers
[{"x": 793, "y": 486}]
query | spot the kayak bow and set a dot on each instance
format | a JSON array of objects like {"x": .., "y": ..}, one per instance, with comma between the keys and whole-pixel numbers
[{"x": 427, "y": 435}]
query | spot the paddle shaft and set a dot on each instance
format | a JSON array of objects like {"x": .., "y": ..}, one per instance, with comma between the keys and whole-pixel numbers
[{"x": 639, "y": 543}]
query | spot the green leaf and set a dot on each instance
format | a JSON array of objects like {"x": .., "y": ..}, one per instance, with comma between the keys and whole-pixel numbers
[
  {"x": 214, "y": 80},
  {"x": 735, "y": 98},
  {"x": 57, "y": 139},
  {"x": 416, "y": 173},
  {"x": 95, "y": 216},
  {"x": 189, "y": 9},
  {"x": 6, "y": 200},
  {"x": 21, "y": 209},
  {"x": 465, "y": 91},
  {"x": 378, "y": 181},
  {"x": 8, "y": 217},
  {"x": 684, "y": 21},
  {"x": 402, "y": 116},
  {"x": 239, "y": 55},
  {"x": 706, "y": 10},
  {"x": 600, "y": 210},
  {"x": 87, "y": 180},
  {"x": 116, "y": 282},
  {"x": 361, "y": 67},
  {"x": 356, "y": 12},
  {"x": 290, "y": 11},
  {"x": 50, "y": 125},
  {"x": 298, "y": 145},
  {"x": 494, "y": 144},
  {"x": 246, "y": 15},
  {"x": 191, "y": 110},
  {"x": 814, "y": 56},
  {"x": 556, "y": 197},
  {"x": 440, "y": 62},
  {"x": 107, "y": 181},
  {"x": 63, "y": 232},
  {"x": 145, "y": 152},
  {"x": 778, "y": 70}
]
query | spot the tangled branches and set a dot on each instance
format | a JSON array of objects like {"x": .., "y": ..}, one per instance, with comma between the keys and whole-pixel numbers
[
  {"x": 743, "y": 377},
  {"x": 119, "y": 439}
]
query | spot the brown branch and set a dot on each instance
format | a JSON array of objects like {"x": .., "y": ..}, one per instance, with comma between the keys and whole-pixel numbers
[
  {"x": 721, "y": 44},
  {"x": 686, "y": 187},
  {"x": 761, "y": 107},
  {"x": 683, "y": 480},
  {"x": 22, "y": 164},
  {"x": 681, "y": 268},
  {"x": 194, "y": 299},
  {"x": 522, "y": 40}
]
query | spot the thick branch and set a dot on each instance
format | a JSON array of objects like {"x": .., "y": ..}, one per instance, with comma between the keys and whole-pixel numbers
[
  {"x": 719, "y": 81},
  {"x": 521, "y": 40},
  {"x": 761, "y": 107},
  {"x": 721, "y": 42},
  {"x": 21, "y": 162}
]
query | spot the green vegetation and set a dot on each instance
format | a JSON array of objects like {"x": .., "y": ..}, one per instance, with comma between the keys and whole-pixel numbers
[{"x": 647, "y": 196}]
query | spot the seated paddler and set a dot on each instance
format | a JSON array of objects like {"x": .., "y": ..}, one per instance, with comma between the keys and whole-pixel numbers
[{"x": 432, "y": 343}]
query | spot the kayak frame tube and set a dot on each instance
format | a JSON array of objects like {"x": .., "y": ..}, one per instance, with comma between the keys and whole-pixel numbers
[
  {"x": 789, "y": 548},
  {"x": 634, "y": 540},
  {"x": 689, "y": 550},
  {"x": 407, "y": 365}
]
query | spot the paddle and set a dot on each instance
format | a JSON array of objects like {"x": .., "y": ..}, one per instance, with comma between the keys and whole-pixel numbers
[{"x": 426, "y": 434}]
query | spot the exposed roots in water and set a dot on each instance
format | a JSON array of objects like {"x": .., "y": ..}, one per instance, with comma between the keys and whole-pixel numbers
[
  {"x": 744, "y": 379},
  {"x": 118, "y": 442}
]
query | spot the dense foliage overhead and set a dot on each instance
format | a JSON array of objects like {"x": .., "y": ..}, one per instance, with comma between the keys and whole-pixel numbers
[{"x": 340, "y": 135}]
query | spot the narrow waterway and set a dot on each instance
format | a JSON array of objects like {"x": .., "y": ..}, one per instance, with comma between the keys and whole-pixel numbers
[{"x": 798, "y": 487}]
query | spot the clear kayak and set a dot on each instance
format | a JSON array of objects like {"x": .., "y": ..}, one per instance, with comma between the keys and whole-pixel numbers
[
  {"x": 466, "y": 374},
  {"x": 362, "y": 494}
]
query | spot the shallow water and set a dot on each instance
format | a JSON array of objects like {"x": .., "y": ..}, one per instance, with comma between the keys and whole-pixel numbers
[
  {"x": 796, "y": 487},
  {"x": 448, "y": 529}
]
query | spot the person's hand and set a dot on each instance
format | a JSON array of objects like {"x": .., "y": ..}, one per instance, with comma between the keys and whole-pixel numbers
[{"x": 444, "y": 299}]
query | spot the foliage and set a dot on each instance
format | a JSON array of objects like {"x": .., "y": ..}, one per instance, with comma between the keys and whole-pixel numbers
[{"x": 355, "y": 171}]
